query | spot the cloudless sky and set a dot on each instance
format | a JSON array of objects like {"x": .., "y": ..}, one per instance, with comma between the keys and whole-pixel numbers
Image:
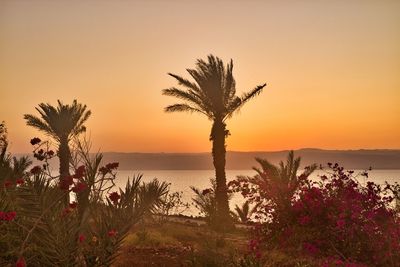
[{"x": 332, "y": 69}]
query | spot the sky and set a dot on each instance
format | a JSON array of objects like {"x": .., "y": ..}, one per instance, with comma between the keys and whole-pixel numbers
[{"x": 332, "y": 70}]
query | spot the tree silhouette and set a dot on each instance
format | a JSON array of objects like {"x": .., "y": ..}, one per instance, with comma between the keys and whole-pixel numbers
[
  {"x": 61, "y": 123},
  {"x": 213, "y": 94}
]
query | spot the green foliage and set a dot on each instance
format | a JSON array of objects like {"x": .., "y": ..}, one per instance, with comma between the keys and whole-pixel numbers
[
  {"x": 88, "y": 232},
  {"x": 205, "y": 202},
  {"x": 245, "y": 213}
]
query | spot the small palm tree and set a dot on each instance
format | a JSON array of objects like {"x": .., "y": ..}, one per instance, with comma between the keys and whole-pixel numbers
[
  {"x": 213, "y": 94},
  {"x": 62, "y": 123},
  {"x": 278, "y": 184},
  {"x": 244, "y": 213}
]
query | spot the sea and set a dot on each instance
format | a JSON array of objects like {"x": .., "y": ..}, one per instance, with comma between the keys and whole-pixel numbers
[{"x": 182, "y": 180}]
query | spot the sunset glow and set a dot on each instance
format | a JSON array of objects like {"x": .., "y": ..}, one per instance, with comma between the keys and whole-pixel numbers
[{"x": 332, "y": 70}]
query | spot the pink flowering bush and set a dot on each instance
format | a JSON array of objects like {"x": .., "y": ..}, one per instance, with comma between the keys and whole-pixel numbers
[
  {"x": 336, "y": 218},
  {"x": 37, "y": 227}
]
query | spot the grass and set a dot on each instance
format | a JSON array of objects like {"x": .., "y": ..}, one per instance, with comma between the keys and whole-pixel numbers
[{"x": 180, "y": 244}]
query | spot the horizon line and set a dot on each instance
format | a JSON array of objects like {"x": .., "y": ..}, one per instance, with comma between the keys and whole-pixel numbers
[{"x": 239, "y": 151}]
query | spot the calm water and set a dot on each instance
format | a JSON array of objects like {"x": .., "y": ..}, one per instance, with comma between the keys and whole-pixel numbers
[{"x": 181, "y": 180}]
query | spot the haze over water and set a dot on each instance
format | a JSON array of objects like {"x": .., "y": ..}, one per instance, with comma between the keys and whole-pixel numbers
[{"x": 182, "y": 180}]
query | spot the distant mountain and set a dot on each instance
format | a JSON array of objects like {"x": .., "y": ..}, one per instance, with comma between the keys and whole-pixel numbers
[{"x": 349, "y": 159}]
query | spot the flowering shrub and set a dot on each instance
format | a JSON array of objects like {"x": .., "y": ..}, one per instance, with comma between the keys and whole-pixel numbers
[
  {"x": 37, "y": 227},
  {"x": 336, "y": 218}
]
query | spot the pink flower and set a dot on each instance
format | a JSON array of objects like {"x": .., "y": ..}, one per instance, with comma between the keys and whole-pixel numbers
[
  {"x": 298, "y": 206},
  {"x": 20, "y": 181},
  {"x": 66, "y": 182},
  {"x": 258, "y": 254},
  {"x": 20, "y": 262},
  {"x": 340, "y": 223},
  {"x": 303, "y": 220},
  {"x": 253, "y": 244},
  {"x": 81, "y": 238},
  {"x": 7, "y": 183},
  {"x": 7, "y": 216},
  {"x": 310, "y": 248},
  {"x": 112, "y": 233},
  {"x": 79, "y": 187},
  {"x": 73, "y": 205}
]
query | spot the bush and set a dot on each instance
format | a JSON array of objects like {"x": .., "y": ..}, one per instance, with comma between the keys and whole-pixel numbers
[
  {"x": 336, "y": 218},
  {"x": 37, "y": 227}
]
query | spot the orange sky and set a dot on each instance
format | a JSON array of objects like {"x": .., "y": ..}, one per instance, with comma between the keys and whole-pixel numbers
[{"x": 332, "y": 68}]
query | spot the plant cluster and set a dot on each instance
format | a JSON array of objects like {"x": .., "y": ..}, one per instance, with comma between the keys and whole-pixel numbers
[
  {"x": 38, "y": 228},
  {"x": 335, "y": 218}
]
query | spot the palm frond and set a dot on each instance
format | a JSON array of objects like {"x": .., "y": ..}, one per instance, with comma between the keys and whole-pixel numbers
[
  {"x": 39, "y": 124},
  {"x": 60, "y": 122},
  {"x": 184, "y": 108},
  {"x": 186, "y": 83},
  {"x": 189, "y": 96},
  {"x": 238, "y": 103}
]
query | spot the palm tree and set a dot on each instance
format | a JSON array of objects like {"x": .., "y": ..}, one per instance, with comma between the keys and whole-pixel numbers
[
  {"x": 244, "y": 213},
  {"x": 62, "y": 123},
  {"x": 278, "y": 184},
  {"x": 213, "y": 94}
]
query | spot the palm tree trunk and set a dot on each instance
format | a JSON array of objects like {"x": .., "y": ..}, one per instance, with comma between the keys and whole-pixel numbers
[
  {"x": 64, "y": 155},
  {"x": 218, "y": 135}
]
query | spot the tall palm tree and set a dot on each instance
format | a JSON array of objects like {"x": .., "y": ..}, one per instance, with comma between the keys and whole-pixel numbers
[
  {"x": 61, "y": 123},
  {"x": 213, "y": 94}
]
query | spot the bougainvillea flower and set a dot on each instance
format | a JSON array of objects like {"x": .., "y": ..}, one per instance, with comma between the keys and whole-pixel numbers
[
  {"x": 35, "y": 141},
  {"x": 7, "y": 216},
  {"x": 20, "y": 262},
  {"x": 340, "y": 223},
  {"x": 112, "y": 233},
  {"x": 7, "y": 183},
  {"x": 81, "y": 238},
  {"x": 20, "y": 181},
  {"x": 66, "y": 182},
  {"x": 303, "y": 220},
  {"x": 73, "y": 205}
]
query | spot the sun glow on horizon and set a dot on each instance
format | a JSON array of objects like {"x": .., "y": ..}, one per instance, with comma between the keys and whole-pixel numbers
[{"x": 332, "y": 71}]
